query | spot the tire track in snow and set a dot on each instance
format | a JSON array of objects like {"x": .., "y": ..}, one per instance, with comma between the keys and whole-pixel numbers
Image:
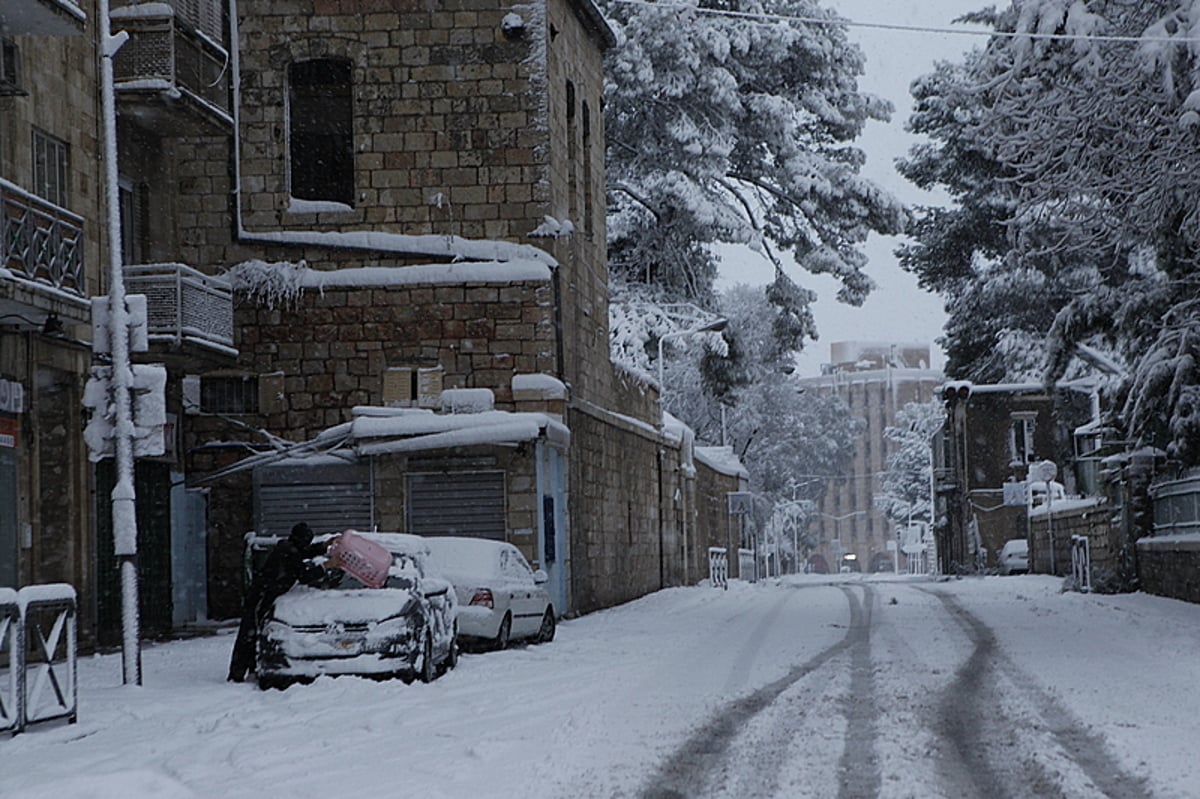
[
  {"x": 997, "y": 756},
  {"x": 859, "y": 764},
  {"x": 687, "y": 773}
]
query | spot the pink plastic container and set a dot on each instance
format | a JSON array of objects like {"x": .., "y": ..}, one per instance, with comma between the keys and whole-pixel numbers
[{"x": 362, "y": 557}]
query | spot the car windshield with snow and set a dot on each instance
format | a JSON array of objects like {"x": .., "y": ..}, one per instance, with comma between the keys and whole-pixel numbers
[
  {"x": 501, "y": 597},
  {"x": 406, "y": 627}
]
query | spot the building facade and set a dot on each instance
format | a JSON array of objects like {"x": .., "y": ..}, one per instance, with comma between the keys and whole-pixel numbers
[
  {"x": 875, "y": 380},
  {"x": 52, "y": 242},
  {"x": 340, "y": 212}
]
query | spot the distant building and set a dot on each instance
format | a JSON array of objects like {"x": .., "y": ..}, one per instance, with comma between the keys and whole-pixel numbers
[{"x": 875, "y": 379}]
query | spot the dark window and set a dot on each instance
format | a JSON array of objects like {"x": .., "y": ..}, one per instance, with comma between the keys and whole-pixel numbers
[
  {"x": 50, "y": 168},
  {"x": 236, "y": 394},
  {"x": 572, "y": 155},
  {"x": 588, "y": 206},
  {"x": 10, "y": 67},
  {"x": 135, "y": 222},
  {"x": 321, "y": 130}
]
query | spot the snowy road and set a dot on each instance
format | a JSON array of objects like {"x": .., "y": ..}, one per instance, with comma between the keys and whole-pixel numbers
[{"x": 817, "y": 687}]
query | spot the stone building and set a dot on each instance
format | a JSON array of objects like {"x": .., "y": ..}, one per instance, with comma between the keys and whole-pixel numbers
[
  {"x": 344, "y": 214},
  {"x": 875, "y": 380},
  {"x": 993, "y": 437},
  {"x": 51, "y": 249}
]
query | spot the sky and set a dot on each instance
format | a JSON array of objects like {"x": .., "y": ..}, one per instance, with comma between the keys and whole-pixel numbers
[
  {"x": 898, "y": 310},
  {"x": 601, "y": 709}
]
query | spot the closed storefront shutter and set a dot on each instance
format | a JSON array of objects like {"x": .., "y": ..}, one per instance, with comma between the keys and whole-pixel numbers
[
  {"x": 329, "y": 497},
  {"x": 457, "y": 503}
]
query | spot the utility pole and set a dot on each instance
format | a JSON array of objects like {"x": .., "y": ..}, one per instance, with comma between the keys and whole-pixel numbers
[{"x": 124, "y": 510}]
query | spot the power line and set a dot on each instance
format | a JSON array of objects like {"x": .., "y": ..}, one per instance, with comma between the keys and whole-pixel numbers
[{"x": 887, "y": 26}]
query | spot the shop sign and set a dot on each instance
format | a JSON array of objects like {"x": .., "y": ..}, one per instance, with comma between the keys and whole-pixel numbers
[
  {"x": 9, "y": 427},
  {"x": 12, "y": 396}
]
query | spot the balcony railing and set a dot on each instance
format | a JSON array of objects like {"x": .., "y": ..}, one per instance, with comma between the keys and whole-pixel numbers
[
  {"x": 166, "y": 53},
  {"x": 184, "y": 305},
  {"x": 40, "y": 241}
]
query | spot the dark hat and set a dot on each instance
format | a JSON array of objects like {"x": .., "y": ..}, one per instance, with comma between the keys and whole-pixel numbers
[{"x": 302, "y": 533}]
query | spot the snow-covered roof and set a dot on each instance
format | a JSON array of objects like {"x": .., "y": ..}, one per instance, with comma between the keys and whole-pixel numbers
[
  {"x": 429, "y": 274},
  {"x": 1065, "y": 505},
  {"x": 282, "y": 282},
  {"x": 454, "y": 247},
  {"x": 722, "y": 460},
  {"x": 377, "y": 430}
]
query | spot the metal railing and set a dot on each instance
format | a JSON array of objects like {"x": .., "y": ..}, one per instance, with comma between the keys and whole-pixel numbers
[
  {"x": 747, "y": 568},
  {"x": 38, "y": 660},
  {"x": 184, "y": 304},
  {"x": 160, "y": 49},
  {"x": 41, "y": 241},
  {"x": 718, "y": 567}
]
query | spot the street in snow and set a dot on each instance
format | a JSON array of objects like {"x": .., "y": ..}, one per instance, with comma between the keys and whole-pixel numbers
[{"x": 815, "y": 686}]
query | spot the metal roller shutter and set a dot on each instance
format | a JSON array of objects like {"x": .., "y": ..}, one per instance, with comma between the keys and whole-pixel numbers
[
  {"x": 329, "y": 497},
  {"x": 457, "y": 503}
]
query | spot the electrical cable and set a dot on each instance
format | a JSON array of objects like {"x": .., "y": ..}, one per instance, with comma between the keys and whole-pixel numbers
[{"x": 887, "y": 26}]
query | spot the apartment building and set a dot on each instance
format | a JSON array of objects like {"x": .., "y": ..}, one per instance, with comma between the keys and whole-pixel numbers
[{"x": 875, "y": 380}]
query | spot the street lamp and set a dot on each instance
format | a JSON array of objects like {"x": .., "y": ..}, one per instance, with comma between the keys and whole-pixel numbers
[
  {"x": 837, "y": 529},
  {"x": 712, "y": 327}
]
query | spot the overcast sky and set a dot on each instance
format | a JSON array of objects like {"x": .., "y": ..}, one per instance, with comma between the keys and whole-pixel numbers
[{"x": 897, "y": 310}]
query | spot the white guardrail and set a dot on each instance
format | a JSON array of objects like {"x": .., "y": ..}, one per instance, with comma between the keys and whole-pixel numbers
[
  {"x": 747, "y": 568},
  {"x": 718, "y": 567},
  {"x": 37, "y": 656}
]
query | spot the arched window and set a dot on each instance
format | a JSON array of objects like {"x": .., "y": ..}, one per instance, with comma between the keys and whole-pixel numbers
[{"x": 321, "y": 130}]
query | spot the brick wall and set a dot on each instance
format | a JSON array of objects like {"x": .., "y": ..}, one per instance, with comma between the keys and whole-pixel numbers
[
  {"x": 448, "y": 127},
  {"x": 617, "y": 553},
  {"x": 1170, "y": 566},
  {"x": 1093, "y": 522},
  {"x": 712, "y": 519}
]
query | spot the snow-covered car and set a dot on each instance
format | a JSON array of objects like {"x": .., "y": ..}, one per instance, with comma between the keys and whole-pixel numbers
[
  {"x": 407, "y": 628},
  {"x": 1014, "y": 557},
  {"x": 501, "y": 598}
]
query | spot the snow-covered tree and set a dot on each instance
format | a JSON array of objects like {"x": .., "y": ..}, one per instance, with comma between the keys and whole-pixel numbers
[
  {"x": 736, "y": 129},
  {"x": 904, "y": 487},
  {"x": 1090, "y": 141},
  {"x": 782, "y": 434}
]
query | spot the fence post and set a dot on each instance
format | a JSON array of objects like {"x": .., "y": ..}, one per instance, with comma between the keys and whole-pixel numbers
[{"x": 12, "y": 667}]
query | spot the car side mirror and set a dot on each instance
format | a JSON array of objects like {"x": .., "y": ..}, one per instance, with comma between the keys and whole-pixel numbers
[{"x": 540, "y": 576}]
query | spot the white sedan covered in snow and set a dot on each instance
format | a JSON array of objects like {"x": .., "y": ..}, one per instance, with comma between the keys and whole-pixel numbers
[
  {"x": 404, "y": 628},
  {"x": 500, "y": 597}
]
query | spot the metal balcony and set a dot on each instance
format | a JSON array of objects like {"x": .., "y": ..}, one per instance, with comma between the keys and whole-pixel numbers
[
  {"x": 41, "y": 242},
  {"x": 185, "y": 307},
  {"x": 42, "y": 18},
  {"x": 173, "y": 72}
]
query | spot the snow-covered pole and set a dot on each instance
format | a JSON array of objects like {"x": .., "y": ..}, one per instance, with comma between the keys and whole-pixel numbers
[{"x": 124, "y": 513}]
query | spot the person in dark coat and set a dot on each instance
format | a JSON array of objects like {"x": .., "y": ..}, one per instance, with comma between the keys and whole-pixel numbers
[{"x": 287, "y": 563}]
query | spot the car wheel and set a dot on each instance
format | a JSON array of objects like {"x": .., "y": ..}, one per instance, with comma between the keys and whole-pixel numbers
[
  {"x": 268, "y": 681},
  {"x": 428, "y": 667},
  {"x": 502, "y": 637},
  {"x": 546, "y": 631}
]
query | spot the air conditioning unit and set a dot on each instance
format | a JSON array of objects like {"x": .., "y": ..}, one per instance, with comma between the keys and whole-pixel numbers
[{"x": 10, "y": 62}]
